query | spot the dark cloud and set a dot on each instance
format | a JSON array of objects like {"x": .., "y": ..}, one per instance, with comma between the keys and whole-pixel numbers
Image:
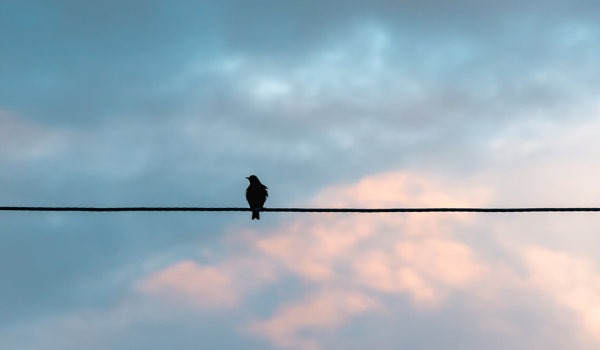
[{"x": 78, "y": 62}]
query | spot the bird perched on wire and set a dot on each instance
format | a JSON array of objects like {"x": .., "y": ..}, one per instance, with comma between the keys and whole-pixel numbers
[{"x": 256, "y": 194}]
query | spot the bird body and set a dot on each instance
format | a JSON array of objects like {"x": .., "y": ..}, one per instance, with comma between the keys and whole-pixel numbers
[{"x": 256, "y": 194}]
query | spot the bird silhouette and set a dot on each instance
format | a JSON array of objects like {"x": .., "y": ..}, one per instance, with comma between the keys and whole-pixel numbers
[{"x": 256, "y": 194}]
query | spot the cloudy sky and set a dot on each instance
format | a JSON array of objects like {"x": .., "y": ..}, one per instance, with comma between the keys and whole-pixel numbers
[{"x": 331, "y": 104}]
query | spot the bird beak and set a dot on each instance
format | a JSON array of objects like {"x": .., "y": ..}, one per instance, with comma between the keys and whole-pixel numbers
[{"x": 248, "y": 177}]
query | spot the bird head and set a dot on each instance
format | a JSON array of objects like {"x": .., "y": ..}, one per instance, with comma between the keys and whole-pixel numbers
[{"x": 252, "y": 178}]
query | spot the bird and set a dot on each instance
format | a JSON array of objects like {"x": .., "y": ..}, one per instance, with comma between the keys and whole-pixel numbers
[{"x": 256, "y": 194}]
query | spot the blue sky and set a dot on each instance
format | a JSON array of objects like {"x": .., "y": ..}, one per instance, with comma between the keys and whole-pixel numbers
[{"x": 329, "y": 103}]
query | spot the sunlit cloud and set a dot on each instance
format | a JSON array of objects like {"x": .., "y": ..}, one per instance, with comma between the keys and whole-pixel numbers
[
  {"x": 570, "y": 281},
  {"x": 349, "y": 266},
  {"x": 187, "y": 282},
  {"x": 350, "y": 259},
  {"x": 319, "y": 312}
]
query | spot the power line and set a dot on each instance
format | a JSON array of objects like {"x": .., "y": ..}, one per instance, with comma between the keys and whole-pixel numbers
[{"x": 304, "y": 210}]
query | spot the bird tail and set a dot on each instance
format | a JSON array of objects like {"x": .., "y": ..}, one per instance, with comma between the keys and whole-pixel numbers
[{"x": 255, "y": 215}]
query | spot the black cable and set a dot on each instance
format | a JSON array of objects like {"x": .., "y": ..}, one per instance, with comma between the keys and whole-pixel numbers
[{"x": 303, "y": 210}]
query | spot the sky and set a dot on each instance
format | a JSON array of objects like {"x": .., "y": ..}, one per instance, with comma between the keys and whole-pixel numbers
[{"x": 366, "y": 104}]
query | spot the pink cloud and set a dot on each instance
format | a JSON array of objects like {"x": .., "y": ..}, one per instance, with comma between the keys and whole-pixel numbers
[
  {"x": 400, "y": 188},
  {"x": 202, "y": 286},
  {"x": 322, "y": 311},
  {"x": 352, "y": 258},
  {"x": 402, "y": 254},
  {"x": 350, "y": 265},
  {"x": 571, "y": 282},
  {"x": 425, "y": 269},
  {"x": 448, "y": 262}
]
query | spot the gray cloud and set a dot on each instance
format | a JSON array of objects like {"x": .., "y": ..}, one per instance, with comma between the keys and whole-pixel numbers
[{"x": 72, "y": 62}]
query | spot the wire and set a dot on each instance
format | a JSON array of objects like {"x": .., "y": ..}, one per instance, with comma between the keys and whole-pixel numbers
[{"x": 304, "y": 210}]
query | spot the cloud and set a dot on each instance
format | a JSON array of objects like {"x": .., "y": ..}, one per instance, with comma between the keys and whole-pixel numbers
[
  {"x": 375, "y": 103},
  {"x": 570, "y": 281},
  {"x": 305, "y": 282},
  {"x": 350, "y": 267},
  {"x": 319, "y": 312},
  {"x": 315, "y": 246},
  {"x": 187, "y": 282},
  {"x": 344, "y": 261},
  {"x": 427, "y": 270},
  {"x": 21, "y": 139}
]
